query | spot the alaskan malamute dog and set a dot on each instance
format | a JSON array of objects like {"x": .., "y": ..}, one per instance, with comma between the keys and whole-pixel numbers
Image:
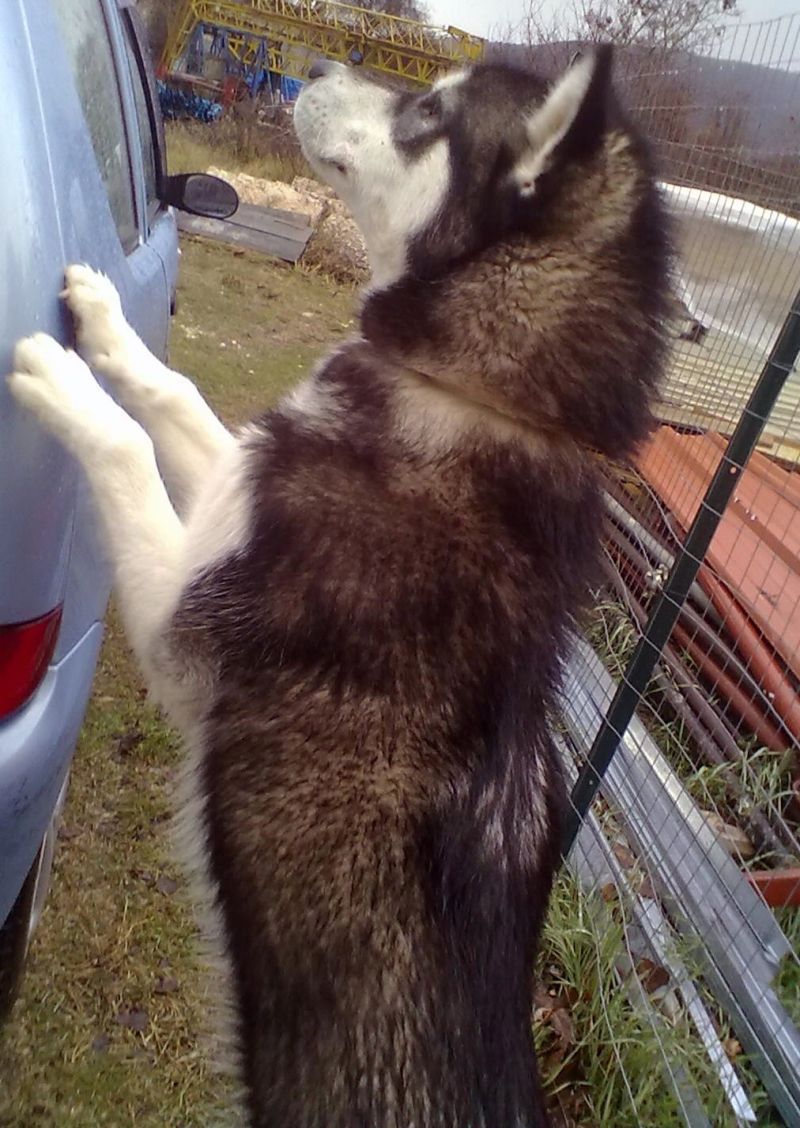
[{"x": 355, "y": 609}]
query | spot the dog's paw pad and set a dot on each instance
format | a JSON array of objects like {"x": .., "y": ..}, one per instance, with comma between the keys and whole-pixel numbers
[
  {"x": 89, "y": 292},
  {"x": 102, "y": 331},
  {"x": 56, "y": 385},
  {"x": 38, "y": 355}
]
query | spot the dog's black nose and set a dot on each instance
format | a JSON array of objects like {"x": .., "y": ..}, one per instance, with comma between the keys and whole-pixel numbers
[{"x": 321, "y": 67}]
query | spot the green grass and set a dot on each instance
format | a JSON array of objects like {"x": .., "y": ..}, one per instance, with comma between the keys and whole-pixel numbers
[
  {"x": 613, "y": 1072},
  {"x": 110, "y": 939},
  {"x": 117, "y": 937},
  {"x": 234, "y": 146},
  {"x": 787, "y": 982},
  {"x": 759, "y": 778},
  {"x": 248, "y": 328}
]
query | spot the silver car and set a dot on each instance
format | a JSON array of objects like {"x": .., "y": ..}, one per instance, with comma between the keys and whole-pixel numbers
[{"x": 83, "y": 180}]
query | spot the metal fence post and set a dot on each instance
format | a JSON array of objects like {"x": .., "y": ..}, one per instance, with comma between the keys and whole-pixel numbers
[{"x": 668, "y": 604}]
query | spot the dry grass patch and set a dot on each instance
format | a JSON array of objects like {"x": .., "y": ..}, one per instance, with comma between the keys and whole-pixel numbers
[{"x": 237, "y": 144}]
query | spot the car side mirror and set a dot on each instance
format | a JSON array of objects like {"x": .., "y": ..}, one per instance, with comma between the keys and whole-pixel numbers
[{"x": 199, "y": 194}]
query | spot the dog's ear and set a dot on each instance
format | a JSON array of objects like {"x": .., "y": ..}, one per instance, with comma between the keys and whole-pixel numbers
[{"x": 572, "y": 120}]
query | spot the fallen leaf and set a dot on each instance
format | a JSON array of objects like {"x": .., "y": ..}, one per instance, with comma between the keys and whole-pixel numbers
[
  {"x": 651, "y": 975},
  {"x": 734, "y": 840},
  {"x": 166, "y": 885},
  {"x": 732, "y": 1048},
  {"x": 609, "y": 892},
  {"x": 101, "y": 1043},
  {"x": 561, "y": 1022},
  {"x": 644, "y": 887},
  {"x": 624, "y": 856},
  {"x": 571, "y": 995},
  {"x": 165, "y": 985},
  {"x": 541, "y": 998},
  {"x": 133, "y": 1019},
  {"x": 128, "y": 741}
]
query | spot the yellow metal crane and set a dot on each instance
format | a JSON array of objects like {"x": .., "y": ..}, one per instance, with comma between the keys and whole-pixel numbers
[{"x": 285, "y": 36}]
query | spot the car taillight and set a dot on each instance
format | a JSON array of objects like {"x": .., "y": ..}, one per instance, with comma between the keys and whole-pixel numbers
[{"x": 25, "y": 652}]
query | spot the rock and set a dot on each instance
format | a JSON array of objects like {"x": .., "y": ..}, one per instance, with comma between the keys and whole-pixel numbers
[
  {"x": 314, "y": 188},
  {"x": 336, "y": 248}
]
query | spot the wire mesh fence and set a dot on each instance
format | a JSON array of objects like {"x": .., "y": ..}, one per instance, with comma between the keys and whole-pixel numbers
[{"x": 686, "y": 866}]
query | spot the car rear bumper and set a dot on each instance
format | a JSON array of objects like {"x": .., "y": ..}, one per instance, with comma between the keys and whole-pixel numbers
[{"x": 36, "y": 747}]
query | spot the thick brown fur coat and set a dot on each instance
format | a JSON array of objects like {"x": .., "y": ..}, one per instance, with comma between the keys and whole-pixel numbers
[
  {"x": 382, "y": 794},
  {"x": 359, "y": 617}
]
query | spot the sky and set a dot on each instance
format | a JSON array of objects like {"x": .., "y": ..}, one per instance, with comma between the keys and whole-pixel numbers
[{"x": 483, "y": 17}]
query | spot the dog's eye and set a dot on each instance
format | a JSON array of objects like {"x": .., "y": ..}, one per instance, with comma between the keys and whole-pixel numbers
[{"x": 429, "y": 109}]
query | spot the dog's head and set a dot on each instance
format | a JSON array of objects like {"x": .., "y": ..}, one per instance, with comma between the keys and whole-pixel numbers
[
  {"x": 498, "y": 211},
  {"x": 432, "y": 176}
]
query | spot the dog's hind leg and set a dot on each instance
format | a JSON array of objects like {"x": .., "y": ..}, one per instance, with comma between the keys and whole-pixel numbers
[
  {"x": 187, "y": 436},
  {"x": 143, "y": 532}
]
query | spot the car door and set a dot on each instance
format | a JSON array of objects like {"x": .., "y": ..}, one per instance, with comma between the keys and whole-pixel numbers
[
  {"x": 73, "y": 191},
  {"x": 98, "y": 38},
  {"x": 156, "y": 221},
  {"x": 114, "y": 221}
]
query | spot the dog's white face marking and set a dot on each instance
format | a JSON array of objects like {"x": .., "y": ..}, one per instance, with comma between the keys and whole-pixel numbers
[{"x": 344, "y": 124}]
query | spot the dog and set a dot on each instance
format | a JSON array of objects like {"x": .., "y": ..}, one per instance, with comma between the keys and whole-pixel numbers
[{"x": 356, "y": 608}]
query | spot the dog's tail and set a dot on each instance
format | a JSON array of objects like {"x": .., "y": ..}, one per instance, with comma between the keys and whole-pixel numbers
[{"x": 499, "y": 852}]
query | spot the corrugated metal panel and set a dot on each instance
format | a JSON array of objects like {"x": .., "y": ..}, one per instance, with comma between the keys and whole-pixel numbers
[
  {"x": 708, "y": 386},
  {"x": 756, "y": 549}
]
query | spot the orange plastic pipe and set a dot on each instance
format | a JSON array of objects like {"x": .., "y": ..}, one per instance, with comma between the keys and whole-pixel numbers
[
  {"x": 779, "y": 888},
  {"x": 766, "y": 732},
  {"x": 756, "y": 653}
]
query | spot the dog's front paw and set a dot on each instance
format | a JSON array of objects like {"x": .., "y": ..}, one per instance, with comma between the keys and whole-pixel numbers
[
  {"x": 57, "y": 386},
  {"x": 104, "y": 336}
]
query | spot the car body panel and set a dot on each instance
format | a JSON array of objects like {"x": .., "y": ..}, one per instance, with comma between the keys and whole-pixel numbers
[
  {"x": 54, "y": 210},
  {"x": 36, "y": 525},
  {"x": 35, "y": 754}
]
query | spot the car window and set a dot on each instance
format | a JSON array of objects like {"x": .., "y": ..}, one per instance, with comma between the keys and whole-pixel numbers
[
  {"x": 85, "y": 34},
  {"x": 144, "y": 117}
]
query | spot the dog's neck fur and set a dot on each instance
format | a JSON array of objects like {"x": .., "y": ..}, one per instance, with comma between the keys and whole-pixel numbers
[
  {"x": 441, "y": 415},
  {"x": 522, "y": 357}
]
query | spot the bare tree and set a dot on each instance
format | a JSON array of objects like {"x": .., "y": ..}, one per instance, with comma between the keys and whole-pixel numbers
[
  {"x": 410, "y": 9},
  {"x": 656, "y": 26},
  {"x": 157, "y": 16}
]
